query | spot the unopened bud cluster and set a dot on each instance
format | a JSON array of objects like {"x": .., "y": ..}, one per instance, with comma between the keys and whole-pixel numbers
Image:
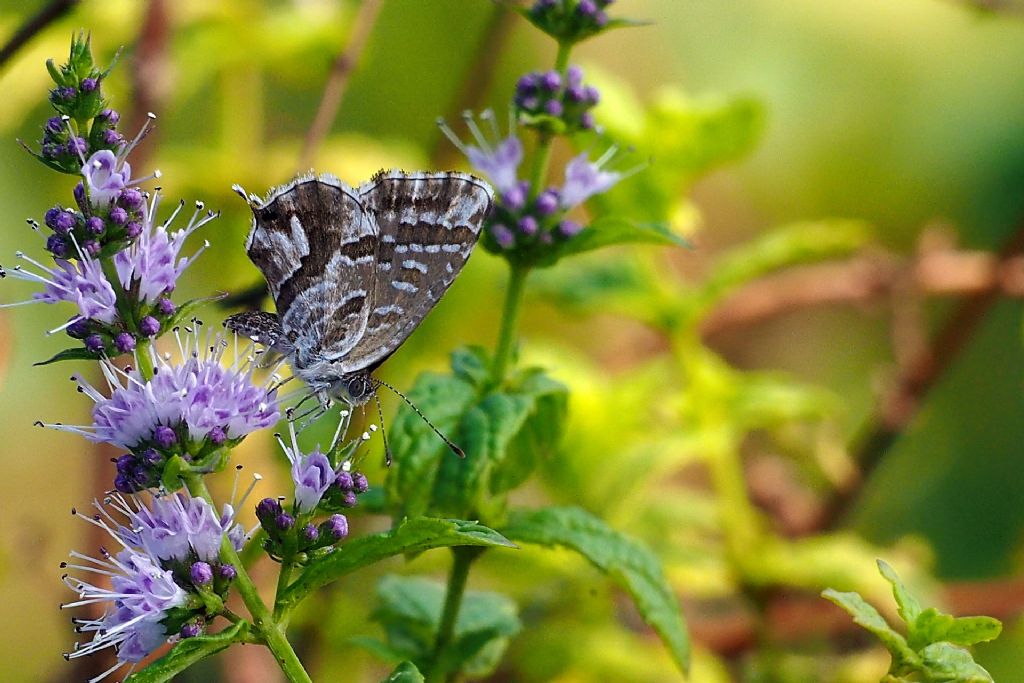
[
  {"x": 292, "y": 536},
  {"x": 569, "y": 21},
  {"x": 555, "y": 103}
]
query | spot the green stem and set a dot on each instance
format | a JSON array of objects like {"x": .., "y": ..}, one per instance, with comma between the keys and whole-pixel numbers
[
  {"x": 283, "y": 577},
  {"x": 463, "y": 557},
  {"x": 123, "y": 305},
  {"x": 509, "y": 322},
  {"x": 562, "y": 58},
  {"x": 263, "y": 621}
]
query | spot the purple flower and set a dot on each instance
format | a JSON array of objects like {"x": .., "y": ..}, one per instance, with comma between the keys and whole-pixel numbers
[
  {"x": 498, "y": 158},
  {"x": 191, "y": 398},
  {"x": 152, "y": 261},
  {"x": 140, "y": 595},
  {"x": 81, "y": 282},
  {"x": 124, "y": 342},
  {"x": 312, "y": 473},
  {"x": 149, "y": 326},
  {"x": 89, "y": 84},
  {"x": 201, "y": 573},
  {"x": 553, "y": 107},
  {"x": 337, "y": 527},
  {"x": 584, "y": 179},
  {"x": 174, "y": 526},
  {"x": 106, "y": 176}
]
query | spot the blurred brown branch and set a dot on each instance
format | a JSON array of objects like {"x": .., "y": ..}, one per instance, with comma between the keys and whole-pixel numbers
[
  {"x": 338, "y": 79},
  {"x": 46, "y": 15},
  {"x": 938, "y": 268}
]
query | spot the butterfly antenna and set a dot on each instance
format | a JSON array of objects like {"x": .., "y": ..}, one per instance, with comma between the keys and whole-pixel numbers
[
  {"x": 383, "y": 431},
  {"x": 455, "y": 449}
]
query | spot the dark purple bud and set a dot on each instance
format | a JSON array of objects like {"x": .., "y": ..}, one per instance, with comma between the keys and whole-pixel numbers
[
  {"x": 586, "y": 8},
  {"x": 56, "y": 246},
  {"x": 547, "y": 202},
  {"x": 360, "y": 483},
  {"x": 78, "y": 329},
  {"x": 118, "y": 216},
  {"x": 600, "y": 19},
  {"x": 134, "y": 229},
  {"x": 164, "y": 436},
  {"x": 95, "y": 226},
  {"x": 344, "y": 481},
  {"x": 151, "y": 457},
  {"x": 337, "y": 527},
  {"x": 62, "y": 94},
  {"x": 527, "y": 84},
  {"x": 569, "y": 228},
  {"x": 310, "y": 533},
  {"x": 591, "y": 94},
  {"x": 65, "y": 223},
  {"x": 54, "y": 126},
  {"x": 553, "y": 107},
  {"x": 89, "y": 84},
  {"x": 124, "y": 483},
  {"x": 111, "y": 138},
  {"x": 515, "y": 198},
  {"x": 165, "y": 306},
  {"x": 551, "y": 81},
  {"x": 284, "y": 521},
  {"x": 268, "y": 508},
  {"x": 150, "y": 327},
  {"x": 349, "y": 500},
  {"x": 92, "y": 247},
  {"x": 503, "y": 236},
  {"x": 125, "y": 463},
  {"x": 227, "y": 572},
  {"x": 51, "y": 216},
  {"x": 217, "y": 435},
  {"x": 587, "y": 120},
  {"x": 131, "y": 198},
  {"x": 94, "y": 343},
  {"x": 78, "y": 146},
  {"x": 546, "y": 238},
  {"x": 201, "y": 573},
  {"x": 575, "y": 93},
  {"x": 528, "y": 225},
  {"x": 190, "y": 630},
  {"x": 124, "y": 342},
  {"x": 574, "y": 76},
  {"x": 51, "y": 150},
  {"x": 110, "y": 116},
  {"x": 79, "y": 193},
  {"x": 529, "y": 103}
]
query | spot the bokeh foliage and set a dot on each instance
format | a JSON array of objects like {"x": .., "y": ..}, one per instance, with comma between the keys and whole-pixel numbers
[{"x": 821, "y": 110}]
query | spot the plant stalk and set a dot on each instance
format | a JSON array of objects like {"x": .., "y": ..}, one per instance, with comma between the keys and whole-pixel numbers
[
  {"x": 509, "y": 322},
  {"x": 463, "y": 557},
  {"x": 263, "y": 621}
]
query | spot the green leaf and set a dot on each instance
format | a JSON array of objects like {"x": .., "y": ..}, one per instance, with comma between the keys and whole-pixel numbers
[
  {"x": 933, "y": 626},
  {"x": 908, "y": 606},
  {"x": 947, "y": 662},
  {"x": 626, "y": 561},
  {"x": 612, "y": 230},
  {"x": 186, "y": 653},
  {"x": 867, "y": 616},
  {"x": 410, "y": 536},
  {"x": 80, "y": 353},
  {"x": 410, "y": 611},
  {"x": 503, "y": 432},
  {"x": 406, "y": 672}
]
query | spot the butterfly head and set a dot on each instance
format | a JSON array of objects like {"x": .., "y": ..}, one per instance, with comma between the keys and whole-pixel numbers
[{"x": 354, "y": 389}]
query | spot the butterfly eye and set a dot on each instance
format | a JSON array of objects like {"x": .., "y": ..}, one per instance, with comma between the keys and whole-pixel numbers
[{"x": 359, "y": 387}]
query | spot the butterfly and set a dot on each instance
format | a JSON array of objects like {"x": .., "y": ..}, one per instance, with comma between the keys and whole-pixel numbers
[{"x": 354, "y": 271}]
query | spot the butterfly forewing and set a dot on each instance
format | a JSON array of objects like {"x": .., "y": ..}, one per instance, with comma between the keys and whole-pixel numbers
[
  {"x": 315, "y": 245},
  {"x": 427, "y": 225}
]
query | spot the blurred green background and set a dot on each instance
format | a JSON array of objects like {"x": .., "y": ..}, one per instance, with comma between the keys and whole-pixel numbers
[{"x": 900, "y": 114}]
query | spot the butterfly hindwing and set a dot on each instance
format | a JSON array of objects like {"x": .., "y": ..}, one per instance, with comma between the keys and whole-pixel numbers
[
  {"x": 315, "y": 245},
  {"x": 427, "y": 226}
]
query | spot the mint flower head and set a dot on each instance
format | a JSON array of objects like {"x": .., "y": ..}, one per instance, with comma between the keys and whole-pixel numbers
[
  {"x": 584, "y": 179},
  {"x": 194, "y": 409},
  {"x": 170, "y": 551},
  {"x": 498, "y": 158},
  {"x": 149, "y": 269}
]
